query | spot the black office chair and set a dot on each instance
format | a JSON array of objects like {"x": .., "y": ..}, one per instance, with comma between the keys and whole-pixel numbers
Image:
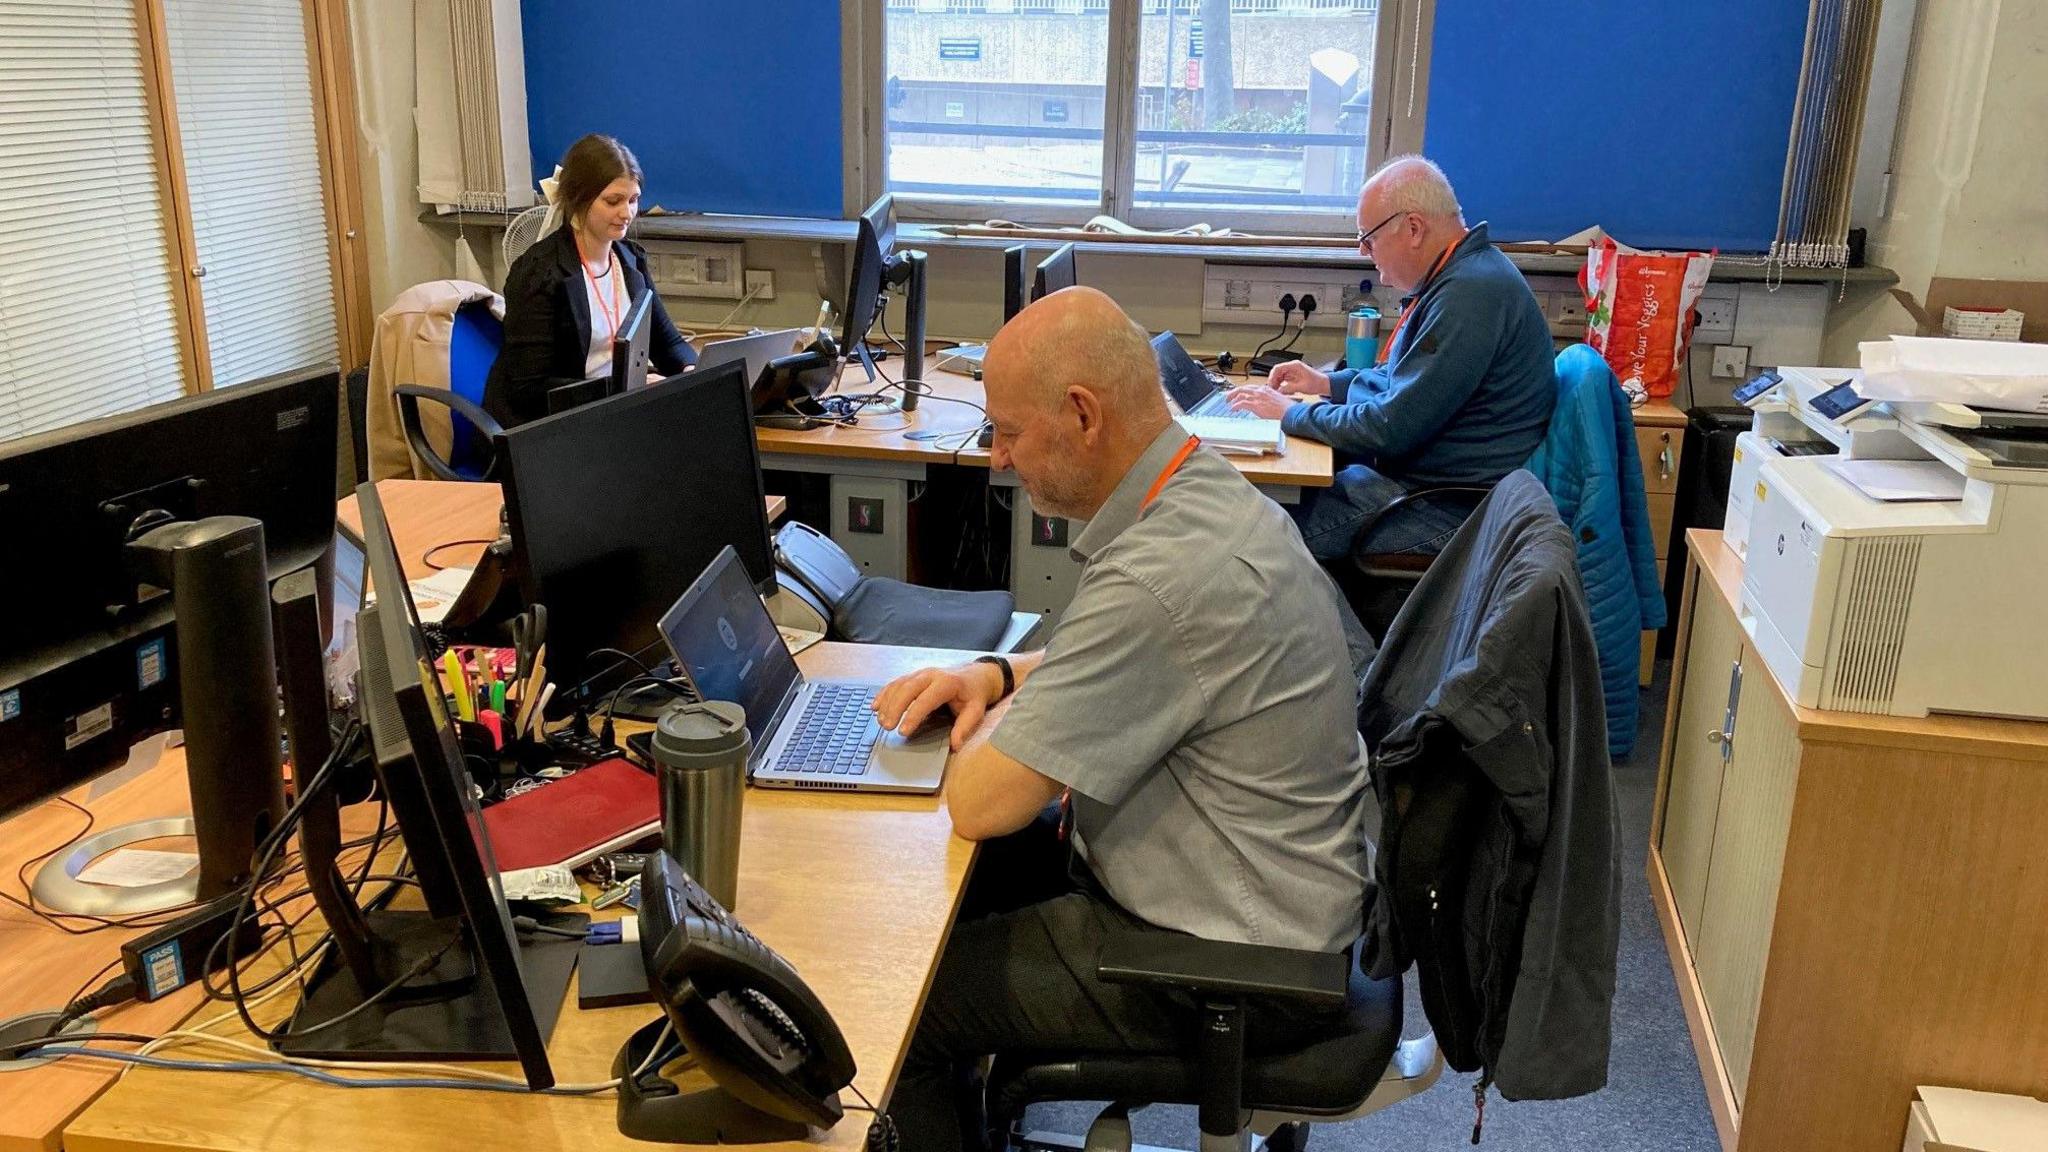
[
  {"x": 1359, "y": 1066},
  {"x": 475, "y": 458},
  {"x": 1376, "y": 584}
]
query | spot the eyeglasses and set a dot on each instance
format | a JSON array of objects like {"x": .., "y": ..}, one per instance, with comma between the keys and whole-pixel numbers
[{"x": 1365, "y": 237}]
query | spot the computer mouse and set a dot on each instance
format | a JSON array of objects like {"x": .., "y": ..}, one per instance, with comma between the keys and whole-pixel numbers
[{"x": 986, "y": 437}]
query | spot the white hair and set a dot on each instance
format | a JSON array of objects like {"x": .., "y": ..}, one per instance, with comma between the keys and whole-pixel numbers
[{"x": 1415, "y": 184}]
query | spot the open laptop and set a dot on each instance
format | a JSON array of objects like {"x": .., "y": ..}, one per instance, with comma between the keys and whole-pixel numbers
[
  {"x": 1198, "y": 391},
  {"x": 756, "y": 349},
  {"x": 806, "y": 733}
]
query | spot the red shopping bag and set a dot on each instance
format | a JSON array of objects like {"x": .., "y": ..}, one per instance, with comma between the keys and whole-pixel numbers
[{"x": 1639, "y": 309}]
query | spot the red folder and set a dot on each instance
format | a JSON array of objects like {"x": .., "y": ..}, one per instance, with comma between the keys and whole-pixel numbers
[{"x": 600, "y": 809}]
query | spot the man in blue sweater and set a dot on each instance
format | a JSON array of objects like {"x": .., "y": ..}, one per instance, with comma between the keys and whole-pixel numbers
[{"x": 1463, "y": 391}]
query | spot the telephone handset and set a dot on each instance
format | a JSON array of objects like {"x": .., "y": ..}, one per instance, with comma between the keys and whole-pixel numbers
[{"x": 749, "y": 1020}]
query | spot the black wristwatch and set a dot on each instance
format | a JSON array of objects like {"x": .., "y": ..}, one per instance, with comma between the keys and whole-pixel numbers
[{"x": 1009, "y": 677}]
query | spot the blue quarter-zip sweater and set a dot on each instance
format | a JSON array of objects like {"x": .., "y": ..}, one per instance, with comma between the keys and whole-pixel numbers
[{"x": 1466, "y": 393}]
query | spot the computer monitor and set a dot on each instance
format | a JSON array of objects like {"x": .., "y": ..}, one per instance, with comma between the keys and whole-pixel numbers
[
  {"x": 1016, "y": 288},
  {"x": 877, "y": 266},
  {"x": 629, "y": 362},
  {"x": 1054, "y": 273},
  {"x": 615, "y": 509},
  {"x": 110, "y": 525},
  {"x": 453, "y": 981},
  {"x": 874, "y": 243}
]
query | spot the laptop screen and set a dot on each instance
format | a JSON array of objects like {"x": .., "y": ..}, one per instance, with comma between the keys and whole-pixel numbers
[
  {"x": 1185, "y": 380},
  {"x": 721, "y": 635}
]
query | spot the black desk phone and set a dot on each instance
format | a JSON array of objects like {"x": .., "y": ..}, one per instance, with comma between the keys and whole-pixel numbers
[{"x": 750, "y": 1021}]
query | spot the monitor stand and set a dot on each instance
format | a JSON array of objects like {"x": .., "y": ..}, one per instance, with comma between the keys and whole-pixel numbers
[{"x": 451, "y": 1011}]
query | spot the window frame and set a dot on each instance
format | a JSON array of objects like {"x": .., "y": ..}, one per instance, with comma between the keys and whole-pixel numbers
[{"x": 1398, "y": 75}]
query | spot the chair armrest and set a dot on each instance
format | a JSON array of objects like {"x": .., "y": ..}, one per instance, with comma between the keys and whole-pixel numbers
[
  {"x": 1319, "y": 979},
  {"x": 1365, "y": 527},
  {"x": 409, "y": 397}
]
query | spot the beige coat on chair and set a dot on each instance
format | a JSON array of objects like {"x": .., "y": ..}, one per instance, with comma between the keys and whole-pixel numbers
[{"x": 410, "y": 346}]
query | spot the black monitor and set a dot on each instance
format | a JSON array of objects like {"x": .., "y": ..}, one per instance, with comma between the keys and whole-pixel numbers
[
  {"x": 1054, "y": 273},
  {"x": 873, "y": 245},
  {"x": 615, "y": 509},
  {"x": 629, "y": 361},
  {"x": 1016, "y": 288},
  {"x": 110, "y": 526},
  {"x": 877, "y": 266},
  {"x": 452, "y": 981}
]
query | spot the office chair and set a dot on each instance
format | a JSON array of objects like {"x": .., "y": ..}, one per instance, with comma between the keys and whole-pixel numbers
[
  {"x": 1244, "y": 1101},
  {"x": 1265, "y": 1101},
  {"x": 473, "y": 343}
]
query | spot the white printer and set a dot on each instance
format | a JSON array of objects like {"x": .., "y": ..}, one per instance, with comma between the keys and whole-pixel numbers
[{"x": 1899, "y": 608}]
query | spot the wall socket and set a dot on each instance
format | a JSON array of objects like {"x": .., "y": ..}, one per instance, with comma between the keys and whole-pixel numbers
[
  {"x": 709, "y": 271},
  {"x": 760, "y": 284},
  {"x": 1731, "y": 361},
  {"x": 1248, "y": 294}
]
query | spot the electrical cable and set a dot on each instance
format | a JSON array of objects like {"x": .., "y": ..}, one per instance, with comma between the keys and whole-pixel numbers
[
  {"x": 427, "y": 557},
  {"x": 314, "y": 1073}
]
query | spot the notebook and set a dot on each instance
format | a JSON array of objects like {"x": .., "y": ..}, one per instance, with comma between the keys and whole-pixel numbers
[{"x": 576, "y": 819}]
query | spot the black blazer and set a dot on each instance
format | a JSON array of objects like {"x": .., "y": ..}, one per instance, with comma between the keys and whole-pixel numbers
[{"x": 547, "y": 327}]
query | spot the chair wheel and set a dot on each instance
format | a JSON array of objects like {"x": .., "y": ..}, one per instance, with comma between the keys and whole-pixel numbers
[{"x": 1288, "y": 1138}]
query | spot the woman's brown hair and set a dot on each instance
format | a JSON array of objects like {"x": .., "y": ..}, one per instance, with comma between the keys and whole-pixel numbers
[{"x": 590, "y": 166}]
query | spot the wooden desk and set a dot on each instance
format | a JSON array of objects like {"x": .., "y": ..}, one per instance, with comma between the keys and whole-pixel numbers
[
  {"x": 424, "y": 513},
  {"x": 873, "y": 465},
  {"x": 858, "y": 892},
  {"x": 1854, "y": 905}
]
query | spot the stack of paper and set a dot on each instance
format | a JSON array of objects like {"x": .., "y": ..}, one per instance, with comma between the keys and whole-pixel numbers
[
  {"x": 1979, "y": 373},
  {"x": 1901, "y": 481},
  {"x": 1238, "y": 436}
]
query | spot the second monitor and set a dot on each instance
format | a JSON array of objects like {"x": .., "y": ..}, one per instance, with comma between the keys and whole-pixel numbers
[
  {"x": 616, "y": 507},
  {"x": 1054, "y": 273}
]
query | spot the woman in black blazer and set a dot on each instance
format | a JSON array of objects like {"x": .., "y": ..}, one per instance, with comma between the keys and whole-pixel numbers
[{"x": 567, "y": 295}]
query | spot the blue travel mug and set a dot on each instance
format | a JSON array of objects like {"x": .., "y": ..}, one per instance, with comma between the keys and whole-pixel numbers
[{"x": 1362, "y": 337}]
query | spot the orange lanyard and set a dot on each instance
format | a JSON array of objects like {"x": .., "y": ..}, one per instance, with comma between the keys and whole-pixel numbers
[
  {"x": 1387, "y": 345},
  {"x": 1172, "y": 466},
  {"x": 609, "y": 311}
]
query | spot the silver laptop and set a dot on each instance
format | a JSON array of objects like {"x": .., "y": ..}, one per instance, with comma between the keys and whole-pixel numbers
[
  {"x": 807, "y": 733},
  {"x": 757, "y": 350}
]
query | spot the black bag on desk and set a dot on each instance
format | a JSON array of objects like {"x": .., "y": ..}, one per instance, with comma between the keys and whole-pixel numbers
[{"x": 876, "y": 610}]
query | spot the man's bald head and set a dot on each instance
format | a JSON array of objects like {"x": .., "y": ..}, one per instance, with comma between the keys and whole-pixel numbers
[
  {"x": 1407, "y": 216},
  {"x": 1076, "y": 337},
  {"x": 1073, "y": 392},
  {"x": 1410, "y": 184}
]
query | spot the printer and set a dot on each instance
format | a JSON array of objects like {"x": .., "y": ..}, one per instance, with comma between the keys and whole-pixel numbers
[{"x": 1905, "y": 606}]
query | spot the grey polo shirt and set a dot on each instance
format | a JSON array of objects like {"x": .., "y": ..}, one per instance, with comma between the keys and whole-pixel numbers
[{"x": 1197, "y": 697}]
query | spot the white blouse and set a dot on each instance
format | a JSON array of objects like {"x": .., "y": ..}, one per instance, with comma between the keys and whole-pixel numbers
[{"x": 608, "y": 303}]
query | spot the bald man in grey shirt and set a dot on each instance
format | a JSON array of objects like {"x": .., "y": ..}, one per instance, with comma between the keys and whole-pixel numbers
[{"x": 1196, "y": 703}]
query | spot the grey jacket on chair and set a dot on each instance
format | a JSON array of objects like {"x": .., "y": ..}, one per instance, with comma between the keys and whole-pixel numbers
[{"x": 1498, "y": 873}]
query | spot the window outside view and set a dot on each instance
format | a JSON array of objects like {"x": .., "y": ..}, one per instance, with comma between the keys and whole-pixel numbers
[{"x": 1003, "y": 99}]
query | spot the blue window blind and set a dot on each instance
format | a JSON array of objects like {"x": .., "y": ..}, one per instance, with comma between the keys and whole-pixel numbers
[
  {"x": 731, "y": 105},
  {"x": 1665, "y": 123}
]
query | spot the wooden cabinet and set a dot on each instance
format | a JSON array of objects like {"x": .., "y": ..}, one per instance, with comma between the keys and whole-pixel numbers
[
  {"x": 1660, "y": 439},
  {"x": 1854, "y": 905}
]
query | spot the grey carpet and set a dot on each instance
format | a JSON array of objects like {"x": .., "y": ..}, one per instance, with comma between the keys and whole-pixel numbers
[{"x": 1653, "y": 1099}]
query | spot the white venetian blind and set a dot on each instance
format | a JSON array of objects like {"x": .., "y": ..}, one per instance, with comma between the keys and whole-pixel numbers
[
  {"x": 88, "y": 324},
  {"x": 242, "y": 72}
]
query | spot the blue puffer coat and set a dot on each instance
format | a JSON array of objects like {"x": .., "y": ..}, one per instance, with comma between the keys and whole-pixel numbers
[{"x": 1588, "y": 462}]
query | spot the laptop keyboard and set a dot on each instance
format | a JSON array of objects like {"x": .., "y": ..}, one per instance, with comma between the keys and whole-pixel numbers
[
  {"x": 1217, "y": 405},
  {"x": 836, "y": 735}
]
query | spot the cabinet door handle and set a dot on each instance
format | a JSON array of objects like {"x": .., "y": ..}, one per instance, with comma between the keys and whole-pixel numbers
[{"x": 1666, "y": 466}]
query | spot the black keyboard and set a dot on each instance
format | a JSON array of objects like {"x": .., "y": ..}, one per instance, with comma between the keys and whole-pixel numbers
[{"x": 837, "y": 734}]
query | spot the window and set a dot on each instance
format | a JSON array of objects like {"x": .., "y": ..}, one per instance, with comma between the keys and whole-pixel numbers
[
  {"x": 1162, "y": 112},
  {"x": 88, "y": 311},
  {"x": 166, "y": 224}
]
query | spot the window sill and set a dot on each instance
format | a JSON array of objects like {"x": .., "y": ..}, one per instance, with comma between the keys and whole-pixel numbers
[{"x": 925, "y": 235}]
